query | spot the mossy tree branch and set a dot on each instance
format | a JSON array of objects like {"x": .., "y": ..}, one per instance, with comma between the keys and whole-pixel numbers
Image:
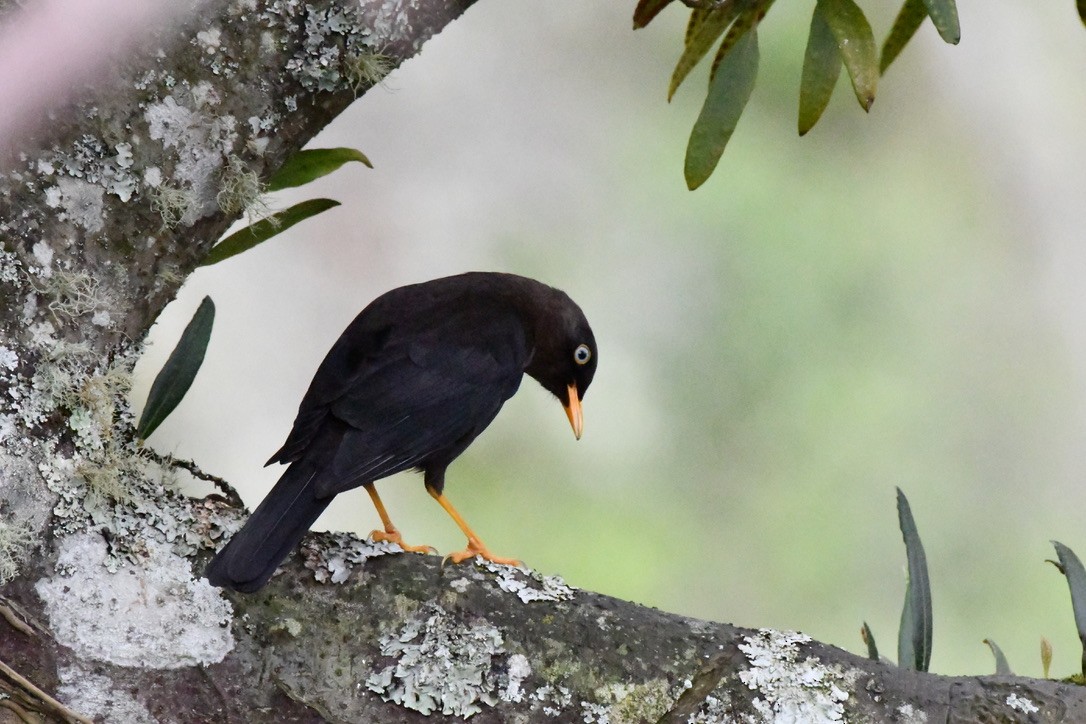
[{"x": 101, "y": 218}]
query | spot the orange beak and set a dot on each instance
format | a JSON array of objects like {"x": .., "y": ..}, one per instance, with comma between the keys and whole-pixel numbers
[{"x": 573, "y": 412}]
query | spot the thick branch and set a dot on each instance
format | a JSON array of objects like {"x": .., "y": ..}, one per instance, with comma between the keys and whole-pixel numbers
[{"x": 403, "y": 639}]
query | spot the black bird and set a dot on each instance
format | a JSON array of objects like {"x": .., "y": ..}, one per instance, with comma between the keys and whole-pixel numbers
[{"x": 417, "y": 375}]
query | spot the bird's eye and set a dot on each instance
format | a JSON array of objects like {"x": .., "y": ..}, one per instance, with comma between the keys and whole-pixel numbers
[{"x": 582, "y": 354}]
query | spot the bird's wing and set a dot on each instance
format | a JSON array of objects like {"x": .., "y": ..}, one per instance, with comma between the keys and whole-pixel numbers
[
  {"x": 429, "y": 398},
  {"x": 360, "y": 346},
  {"x": 410, "y": 391}
]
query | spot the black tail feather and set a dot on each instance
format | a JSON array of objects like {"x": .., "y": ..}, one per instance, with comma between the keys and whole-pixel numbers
[{"x": 273, "y": 530}]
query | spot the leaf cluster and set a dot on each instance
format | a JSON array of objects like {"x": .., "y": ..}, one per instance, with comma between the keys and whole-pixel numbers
[
  {"x": 840, "y": 35},
  {"x": 915, "y": 631}
]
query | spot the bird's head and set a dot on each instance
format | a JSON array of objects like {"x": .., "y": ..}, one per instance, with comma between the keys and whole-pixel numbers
[{"x": 564, "y": 358}]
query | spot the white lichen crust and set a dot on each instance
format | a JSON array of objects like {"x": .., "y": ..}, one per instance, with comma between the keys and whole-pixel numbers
[
  {"x": 791, "y": 688},
  {"x": 1022, "y": 704},
  {"x": 95, "y": 696},
  {"x": 156, "y": 617}
]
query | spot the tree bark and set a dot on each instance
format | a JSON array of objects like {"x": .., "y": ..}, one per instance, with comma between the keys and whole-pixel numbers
[{"x": 102, "y": 215}]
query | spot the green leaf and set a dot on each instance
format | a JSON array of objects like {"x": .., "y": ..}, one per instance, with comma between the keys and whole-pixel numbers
[
  {"x": 821, "y": 68},
  {"x": 869, "y": 641},
  {"x": 1046, "y": 657},
  {"x": 1002, "y": 667},
  {"x": 728, "y": 95},
  {"x": 265, "y": 229},
  {"x": 1071, "y": 567},
  {"x": 914, "y": 634},
  {"x": 750, "y": 16},
  {"x": 908, "y": 19},
  {"x": 306, "y": 166},
  {"x": 703, "y": 30},
  {"x": 176, "y": 376},
  {"x": 646, "y": 10},
  {"x": 1082, "y": 11},
  {"x": 856, "y": 44},
  {"x": 944, "y": 13}
]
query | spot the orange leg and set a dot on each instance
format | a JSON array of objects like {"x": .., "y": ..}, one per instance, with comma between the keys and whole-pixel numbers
[
  {"x": 390, "y": 533},
  {"x": 475, "y": 546}
]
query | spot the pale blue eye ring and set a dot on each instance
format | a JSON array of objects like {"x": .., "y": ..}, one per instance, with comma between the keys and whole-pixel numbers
[{"x": 582, "y": 354}]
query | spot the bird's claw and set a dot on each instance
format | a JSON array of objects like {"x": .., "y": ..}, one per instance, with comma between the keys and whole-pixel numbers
[
  {"x": 393, "y": 536},
  {"x": 476, "y": 549}
]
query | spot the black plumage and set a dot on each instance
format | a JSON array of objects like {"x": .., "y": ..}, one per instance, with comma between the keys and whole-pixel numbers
[{"x": 410, "y": 383}]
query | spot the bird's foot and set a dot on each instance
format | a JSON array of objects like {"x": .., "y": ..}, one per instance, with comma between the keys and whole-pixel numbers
[
  {"x": 477, "y": 549},
  {"x": 392, "y": 535}
]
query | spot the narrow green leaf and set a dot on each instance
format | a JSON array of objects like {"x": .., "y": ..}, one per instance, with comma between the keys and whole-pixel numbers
[
  {"x": 728, "y": 95},
  {"x": 261, "y": 231},
  {"x": 821, "y": 68},
  {"x": 869, "y": 641},
  {"x": 697, "y": 17},
  {"x": 176, "y": 376},
  {"x": 1072, "y": 569},
  {"x": 856, "y": 43},
  {"x": 704, "y": 28},
  {"x": 915, "y": 632},
  {"x": 1046, "y": 657},
  {"x": 646, "y": 10},
  {"x": 944, "y": 13},
  {"x": 306, "y": 166},
  {"x": 1082, "y": 11},
  {"x": 908, "y": 19},
  {"x": 1002, "y": 667},
  {"x": 751, "y": 14}
]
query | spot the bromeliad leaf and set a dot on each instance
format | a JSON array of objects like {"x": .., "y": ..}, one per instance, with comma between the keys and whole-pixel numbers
[
  {"x": 1071, "y": 567},
  {"x": 646, "y": 10},
  {"x": 704, "y": 28},
  {"x": 305, "y": 166},
  {"x": 821, "y": 68},
  {"x": 176, "y": 376},
  {"x": 265, "y": 229},
  {"x": 908, "y": 19},
  {"x": 1002, "y": 667},
  {"x": 915, "y": 632},
  {"x": 944, "y": 13},
  {"x": 856, "y": 44},
  {"x": 728, "y": 94},
  {"x": 869, "y": 641}
]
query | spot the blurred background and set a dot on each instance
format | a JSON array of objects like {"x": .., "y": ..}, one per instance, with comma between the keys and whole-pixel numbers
[{"x": 894, "y": 300}]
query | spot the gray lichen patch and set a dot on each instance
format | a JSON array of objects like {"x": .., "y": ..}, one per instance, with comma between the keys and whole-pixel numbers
[
  {"x": 155, "y": 615},
  {"x": 201, "y": 142},
  {"x": 444, "y": 664},
  {"x": 791, "y": 688},
  {"x": 334, "y": 37},
  {"x": 332, "y": 556},
  {"x": 528, "y": 585},
  {"x": 78, "y": 201}
]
